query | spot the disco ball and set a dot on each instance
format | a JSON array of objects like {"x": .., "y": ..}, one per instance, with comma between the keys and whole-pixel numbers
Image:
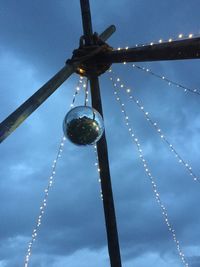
[{"x": 83, "y": 125}]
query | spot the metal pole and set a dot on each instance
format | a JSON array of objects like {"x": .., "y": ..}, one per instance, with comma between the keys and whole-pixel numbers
[
  {"x": 108, "y": 202},
  {"x": 107, "y": 33},
  {"x": 87, "y": 21}
]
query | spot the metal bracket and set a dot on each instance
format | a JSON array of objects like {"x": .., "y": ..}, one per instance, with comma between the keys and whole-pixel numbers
[{"x": 86, "y": 54}]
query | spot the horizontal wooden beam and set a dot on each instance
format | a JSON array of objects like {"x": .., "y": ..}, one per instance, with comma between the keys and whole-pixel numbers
[
  {"x": 176, "y": 50},
  {"x": 30, "y": 105}
]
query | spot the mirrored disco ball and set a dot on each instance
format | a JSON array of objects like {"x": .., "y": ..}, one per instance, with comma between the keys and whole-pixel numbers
[{"x": 83, "y": 125}]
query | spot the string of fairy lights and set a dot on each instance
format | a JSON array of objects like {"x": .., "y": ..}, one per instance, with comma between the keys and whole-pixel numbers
[
  {"x": 49, "y": 185},
  {"x": 98, "y": 168},
  {"x": 82, "y": 83},
  {"x": 180, "y": 36},
  {"x": 169, "y": 82},
  {"x": 85, "y": 86},
  {"x": 149, "y": 174},
  {"x": 118, "y": 83}
]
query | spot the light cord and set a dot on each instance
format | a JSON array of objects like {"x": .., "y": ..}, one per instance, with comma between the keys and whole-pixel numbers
[
  {"x": 151, "y": 177},
  {"x": 85, "y": 85},
  {"x": 47, "y": 189},
  {"x": 180, "y": 36},
  {"x": 98, "y": 169},
  {"x": 156, "y": 127},
  {"x": 165, "y": 79}
]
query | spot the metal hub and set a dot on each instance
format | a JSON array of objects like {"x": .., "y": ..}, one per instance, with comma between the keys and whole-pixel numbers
[{"x": 90, "y": 67}]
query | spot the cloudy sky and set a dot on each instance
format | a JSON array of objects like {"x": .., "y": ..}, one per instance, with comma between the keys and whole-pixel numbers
[{"x": 36, "y": 37}]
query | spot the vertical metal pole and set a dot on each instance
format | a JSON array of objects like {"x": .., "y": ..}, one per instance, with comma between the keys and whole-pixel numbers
[
  {"x": 108, "y": 203},
  {"x": 87, "y": 21}
]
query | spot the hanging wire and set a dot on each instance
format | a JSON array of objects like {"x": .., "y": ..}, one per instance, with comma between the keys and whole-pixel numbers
[
  {"x": 169, "y": 82},
  {"x": 150, "y": 176},
  {"x": 156, "y": 127},
  {"x": 98, "y": 168},
  {"x": 47, "y": 189},
  {"x": 86, "y": 92},
  {"x": 77, "y": 90}
]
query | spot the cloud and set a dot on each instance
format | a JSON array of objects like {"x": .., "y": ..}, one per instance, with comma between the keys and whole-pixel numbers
[{"x": 36, "y": 40}]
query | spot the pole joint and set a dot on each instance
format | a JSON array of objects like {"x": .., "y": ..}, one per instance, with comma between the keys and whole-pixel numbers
[{"x": 86, "y": 54}]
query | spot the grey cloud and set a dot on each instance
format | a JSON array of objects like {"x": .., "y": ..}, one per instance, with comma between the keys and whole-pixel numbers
[{"x": 36, "y": 40}]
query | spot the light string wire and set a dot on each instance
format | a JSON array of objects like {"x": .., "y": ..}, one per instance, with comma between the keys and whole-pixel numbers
[
  {"x": 156, "y": 127},
  {"x": 163, "y": 78},
  {"x": 95, "y": 145},
  {"x": 98, "y": 169},
  {"x": 150, "y": 176},
  {"x": 85, "y": 85},
  {"x": 80, "y": 84},
  {"x": 49, "y": 185},
  {"x": 180, "y": 36}
]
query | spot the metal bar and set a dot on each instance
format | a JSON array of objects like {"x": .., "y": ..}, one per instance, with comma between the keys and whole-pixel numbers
[
  {"x": 31, "y": 104},
  {"x": 177, "y": 50},
  {"x": 87, "y": 22},
  {"x": 107, "y": 33},
  {"x": 108, "y": 202}
]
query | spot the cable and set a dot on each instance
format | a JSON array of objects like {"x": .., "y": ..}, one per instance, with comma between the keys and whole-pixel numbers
[
  {"x": 47, "y": 189},
  {"x": 151, "y": 177},
  {"x": 169, "y": 82},
  {"x": 156, "y": 127}
]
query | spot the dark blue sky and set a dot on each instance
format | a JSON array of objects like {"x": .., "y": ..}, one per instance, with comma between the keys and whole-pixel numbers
[{"x": 36, "y": 37}]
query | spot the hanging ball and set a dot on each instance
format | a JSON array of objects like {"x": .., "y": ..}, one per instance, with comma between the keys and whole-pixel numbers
[{"x": 83, "y": 125}]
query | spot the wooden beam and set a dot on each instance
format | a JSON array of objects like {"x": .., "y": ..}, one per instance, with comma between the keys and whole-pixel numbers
[
  {"x": 87, "y": 22},
  {"x": 108, "y": 202},
  {"x": 176, "y": 50},
  {"x": 30, "y": 105},
  {"x": 106, "y": 186},
  {"x": 105, "y": 35}
]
